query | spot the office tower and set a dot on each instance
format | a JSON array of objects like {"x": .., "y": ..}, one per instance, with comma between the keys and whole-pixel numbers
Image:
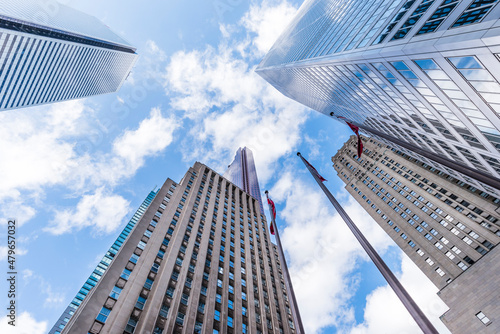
[
  {"x": 101, "y": 267},
  {"x": 199, "y": 260},
  {"x": 50, "y": 52},
  {"x": 425, "y": 72},
  {"x": 448, "y": 229},
  {"x": 242, "y": 173}
]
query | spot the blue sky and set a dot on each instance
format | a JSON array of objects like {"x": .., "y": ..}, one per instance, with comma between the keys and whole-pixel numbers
[{"x": 73, "y": 173}]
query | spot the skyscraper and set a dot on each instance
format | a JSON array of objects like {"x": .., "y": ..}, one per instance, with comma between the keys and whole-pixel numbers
[
  {"x": 50, "y": 52},
  {"x": 426, "y": 72},
  {"x": 101, "y": 267},
  {"x": 198, "y": 260},
  {"x": 448, "y": 229},
  {"x": 242, "y": 172}
]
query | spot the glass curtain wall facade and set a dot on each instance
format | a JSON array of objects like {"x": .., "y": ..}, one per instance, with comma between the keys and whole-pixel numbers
[
  {"x": 448, "y": 231},
  {"x": 50, "y": 52},
  {"x": 101, "y": 267},
  {"x": 426, "y": 72},
  {"x": 242, "y": 172},
  {"x": 198, "y": 261}
]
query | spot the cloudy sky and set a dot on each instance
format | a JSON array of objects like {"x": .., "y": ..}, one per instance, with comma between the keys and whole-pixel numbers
[{"x": 73, "y": 173}]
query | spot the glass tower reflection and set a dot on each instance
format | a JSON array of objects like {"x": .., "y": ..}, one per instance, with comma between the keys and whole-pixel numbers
[
  {"x": 242, "y": 172},
  {"x": 418, "y": 70},
  {"x": 50, "y": 52}
]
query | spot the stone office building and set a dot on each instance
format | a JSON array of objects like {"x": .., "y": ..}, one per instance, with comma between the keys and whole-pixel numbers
[
  {"x": 448, "y": 228},
  {"x": 199, "y": 260}
]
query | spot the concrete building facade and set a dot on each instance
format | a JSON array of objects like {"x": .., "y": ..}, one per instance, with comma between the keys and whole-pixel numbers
[
  {"x": 199, "y": 260},
  {"x": 426, "y": 72},
  {"x": 448, "y": 229}
]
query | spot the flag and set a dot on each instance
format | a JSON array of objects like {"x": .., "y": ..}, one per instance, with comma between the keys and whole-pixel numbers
[
  {"x": 355, "y": 129},
  {"x": 321, "y": 178},
  {"x": 273, "y": 213}
]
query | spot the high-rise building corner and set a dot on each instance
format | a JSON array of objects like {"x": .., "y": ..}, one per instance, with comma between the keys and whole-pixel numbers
[{"x": 50, "y": 52}]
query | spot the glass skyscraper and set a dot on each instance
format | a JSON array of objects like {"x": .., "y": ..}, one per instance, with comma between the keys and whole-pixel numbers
[
  {"x": 50, "y": 52},
  {"x": 198, "y": 260},
  {"x": 426, "y": 72},
  {"x": 242, "y": 172}
]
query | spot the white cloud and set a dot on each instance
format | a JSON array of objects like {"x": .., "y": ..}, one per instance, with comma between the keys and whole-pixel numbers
[
  {"x": 323, "y": 258},
  {"x": 41, "y": 147},
  {"x": 101, "y": 211},
  {"x": 16, "y": 208},
  {"x": 154, "y": 134},
  {"x": 228, "y": 104},
  {"x": 4, "y": 252},
  {"x": 267, "y": 22},
  {"x": 25, "y": 324},
  {"x": 34, "y": 150},
  {"x": 323, "y": 252},
  {"x": 54, "y": 299},
  {"x": 27, "y": 274},
  {"x": 384, "y": 312}
]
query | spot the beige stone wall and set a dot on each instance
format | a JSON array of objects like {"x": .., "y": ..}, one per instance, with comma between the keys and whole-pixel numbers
[
  {"x": 422, "y": 190},
  {"x": 476, "y": 290}
]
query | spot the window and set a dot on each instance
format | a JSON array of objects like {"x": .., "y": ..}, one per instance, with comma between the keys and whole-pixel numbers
[
  {"x": 420, "y": 252},
  {"x": 115, "y": 293},
  {"x": 475, "y": 12},
  {"x": 429, "y": 261},
  {"x": 140, "y": 302},
  {"x": 103, "y": 315},
  {"x": 439, "y": 271},
  {"x": 148, "y": 283},
  {"x": 184, "y": 299},
  {"x": 131, "y": 324},
  {"x": 473, "y": 234},
  {"x": 462, "y": 265},
  {"x": 484, "y": 319},
  {"x": 230, "y": 322},
  {"x": 217, "y": 315},
  {"x": 125, "y": 274},
  {"x": 180, "y": 319}
]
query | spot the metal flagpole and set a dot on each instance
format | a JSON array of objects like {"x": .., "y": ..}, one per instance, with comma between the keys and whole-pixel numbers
[
  {"x": 459, "y": 167},
  {"x": 417, "y": 314},
  {"x": 288, "y": 281}
]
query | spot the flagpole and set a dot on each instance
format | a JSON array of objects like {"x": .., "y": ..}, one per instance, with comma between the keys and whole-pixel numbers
[
  {"x": 288, "y": 282},
  {"x": 417, "y": 314},
  {"x": 457, "y": 166}
]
